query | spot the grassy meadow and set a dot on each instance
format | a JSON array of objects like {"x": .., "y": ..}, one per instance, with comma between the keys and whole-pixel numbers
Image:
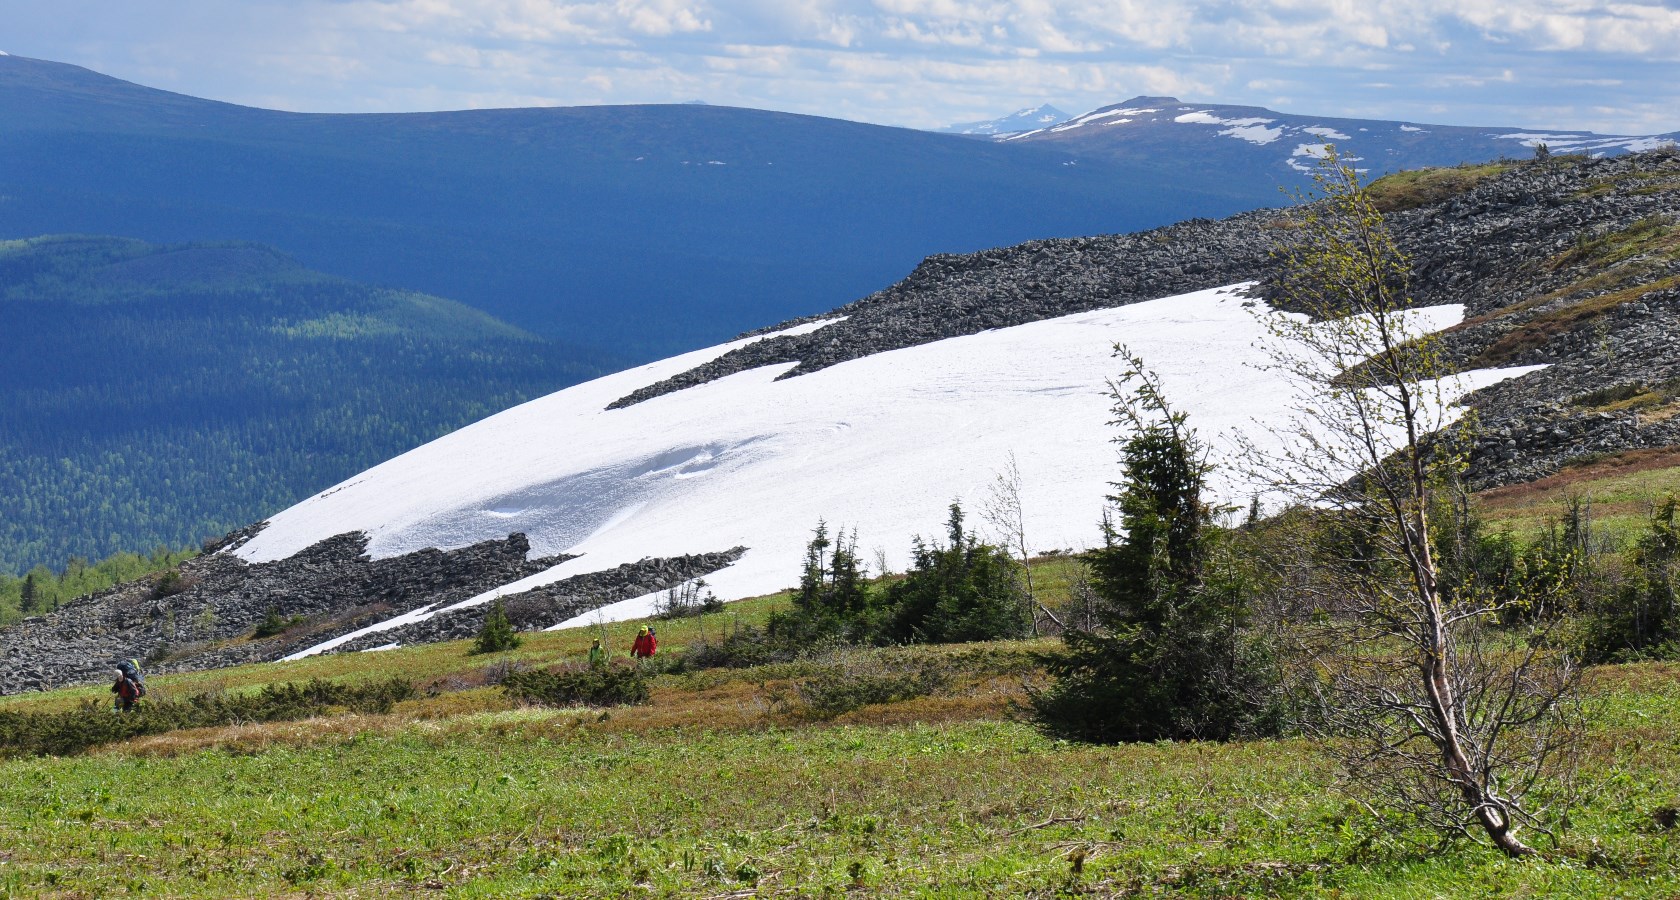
[{"x": 727, "y": 784}]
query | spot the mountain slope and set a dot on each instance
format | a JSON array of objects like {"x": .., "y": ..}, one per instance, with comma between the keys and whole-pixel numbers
[
  {"x": 646, "y": 229},
  {"x": 1557, "y": 283},
  {"x": 917, "y": 394},
  {"x": 156, "y": 394},
  {"x": 1250, "y": 144}
]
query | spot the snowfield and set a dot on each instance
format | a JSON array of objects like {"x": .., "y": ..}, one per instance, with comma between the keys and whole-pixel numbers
[{"x": 880, "y": 444}]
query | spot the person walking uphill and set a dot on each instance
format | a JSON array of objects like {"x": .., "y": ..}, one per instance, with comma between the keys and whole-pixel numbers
[
  {"x": 646, "y": 644},
  {"x": 127, "y": 691},
  {"x": 597, "y": 655}
]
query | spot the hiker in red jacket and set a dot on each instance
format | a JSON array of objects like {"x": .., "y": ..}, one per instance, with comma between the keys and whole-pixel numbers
[
  {"x": 645, "y": 644},
  {"x": 128, "y": 693}
]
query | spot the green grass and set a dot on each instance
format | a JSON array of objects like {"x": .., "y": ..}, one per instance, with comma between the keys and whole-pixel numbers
[
  {"x": 720, "y": 786},
  {"x": 531, "y": 803},
  {"x": 1622, "y": 489},
  {"x": 1421, "y": 187}
]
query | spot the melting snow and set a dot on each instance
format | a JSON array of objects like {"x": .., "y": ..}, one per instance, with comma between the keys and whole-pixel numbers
[
  {"x": 1326, "y": 132},
  {"x": 1586, "y": 142},
  {"x": 1410, "y": 128},
  {"x": 1251, "y": 129},
  {"x": 1088, "y": 118},
  {"x": 880, "y": 444}
]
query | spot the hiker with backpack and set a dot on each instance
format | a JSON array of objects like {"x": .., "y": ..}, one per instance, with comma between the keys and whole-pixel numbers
[
  {"x": 645, "y": 644},
  {"x": 127, "y": 691},
  {"x": 130, "y": 685}
]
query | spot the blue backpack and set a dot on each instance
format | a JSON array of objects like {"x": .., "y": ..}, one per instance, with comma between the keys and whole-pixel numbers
[{"x": 130, "y": 669}]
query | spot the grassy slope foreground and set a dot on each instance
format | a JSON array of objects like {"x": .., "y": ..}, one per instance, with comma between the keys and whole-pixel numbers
[
  {"x": 155, "y": 395},
  {"x": 727, "y": 785}
]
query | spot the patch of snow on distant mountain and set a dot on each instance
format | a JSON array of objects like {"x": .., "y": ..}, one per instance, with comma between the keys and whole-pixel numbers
[
  {"x": 1326, "y": 132},
  {"x": 881, "y": 444},
  {"x": 1411, "y": 128},
  {"x": 1252, "y": 129},
  {"x": 1098, "y": 116},
  {"x": 1586, "y": 143},
  {"x": 1017, "y": 122}
]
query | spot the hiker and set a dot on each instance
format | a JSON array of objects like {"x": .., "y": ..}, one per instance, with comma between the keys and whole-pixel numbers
[
  {"x": 645, "y": 644},
  {"x": 127, "y": 691},
  {"x": 130, "y": 669},
  {"x": 597, "y": 655}
]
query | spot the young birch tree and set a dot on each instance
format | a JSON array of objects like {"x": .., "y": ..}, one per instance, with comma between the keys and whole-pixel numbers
[
  {"x": 1004, "y": 511},
  {"x": 1429, "y": 702}
]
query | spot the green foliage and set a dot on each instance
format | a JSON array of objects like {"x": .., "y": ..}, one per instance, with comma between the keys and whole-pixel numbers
[
  {"x": 1642, "y": 619},
  {"x": 162, "y": 394},
  {"x": 959, "y": 592},
  {"x": 273, "y": 623},
  {"x": 497, "y": 633},
  {"x": 1171, "y": 659},
  {"x": 94, "y": 723},
  {"x": 833, "y": 602},
  {"x": 597, "y": 686},
  {"x": 42, "y": 590}
]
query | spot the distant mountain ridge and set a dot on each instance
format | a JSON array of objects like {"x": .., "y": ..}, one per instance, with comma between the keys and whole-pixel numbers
[
  {"x": 1248, "y": 143},
  {"x": 647, "y": 230},
  {"x": 1022, "y": 120},
  {"x": 641, "y": 229}
]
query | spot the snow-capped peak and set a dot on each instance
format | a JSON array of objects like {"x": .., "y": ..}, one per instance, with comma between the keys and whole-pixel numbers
[{"x": 1041, "y": 116}]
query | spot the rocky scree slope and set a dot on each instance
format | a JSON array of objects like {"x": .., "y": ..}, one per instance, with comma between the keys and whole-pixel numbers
[
  {"x": 204, "y": 615},
  {"x": 1572, "y": 262}
]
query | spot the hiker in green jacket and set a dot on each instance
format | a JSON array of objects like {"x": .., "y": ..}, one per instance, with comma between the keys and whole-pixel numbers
[{"x": 597, "y": 655}]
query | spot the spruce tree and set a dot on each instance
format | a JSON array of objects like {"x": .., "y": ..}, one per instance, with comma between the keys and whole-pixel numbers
[
  {"x": 962, "y": 591},
  {"x": 28, "y": 602},
  {"x": 1168, "y": 660},
  {"x": 497, "y": 633}
]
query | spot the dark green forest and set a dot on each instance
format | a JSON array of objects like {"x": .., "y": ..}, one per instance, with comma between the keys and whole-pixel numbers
[{"x": 155, "y": 395}]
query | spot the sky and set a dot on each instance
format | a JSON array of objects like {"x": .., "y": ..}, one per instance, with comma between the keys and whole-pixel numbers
[{"x": 1603, "y": 65}]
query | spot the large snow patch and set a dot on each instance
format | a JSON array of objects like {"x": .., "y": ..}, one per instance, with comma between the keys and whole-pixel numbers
[{"x": 880, "y": 444}]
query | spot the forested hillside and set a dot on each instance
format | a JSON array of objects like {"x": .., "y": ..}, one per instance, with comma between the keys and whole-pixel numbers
[{"x": 158, "y": 394}]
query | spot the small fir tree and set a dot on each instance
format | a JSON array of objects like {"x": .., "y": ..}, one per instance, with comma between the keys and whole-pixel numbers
[
  {"x": 497, "y": 634},
  {"x": 30, "y": 600},
  {"x": 962, "y": 591},
  {"x": 1169, "y": 659}
]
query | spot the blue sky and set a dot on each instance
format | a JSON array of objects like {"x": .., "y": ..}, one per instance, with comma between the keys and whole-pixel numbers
[{"x": 1583, "y": 64}]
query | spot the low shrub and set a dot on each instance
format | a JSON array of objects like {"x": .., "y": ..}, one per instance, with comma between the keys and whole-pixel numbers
[
  {"x": 171, "y": 582},
  {"x": 94, "y": 723},
  {"x": 742, "y": 648},
  {"x": 612, "y": 686},
  {"x": 273, "y": 623},
  {"x": 686, "y": 600},
  {"x": 839, "y": 690}
]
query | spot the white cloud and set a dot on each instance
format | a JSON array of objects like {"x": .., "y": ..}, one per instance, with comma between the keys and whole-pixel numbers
[{"x": 1600, "y": 64}]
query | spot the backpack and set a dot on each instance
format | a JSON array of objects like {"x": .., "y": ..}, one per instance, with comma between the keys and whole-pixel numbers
[{"x": 130, "y": 669}]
